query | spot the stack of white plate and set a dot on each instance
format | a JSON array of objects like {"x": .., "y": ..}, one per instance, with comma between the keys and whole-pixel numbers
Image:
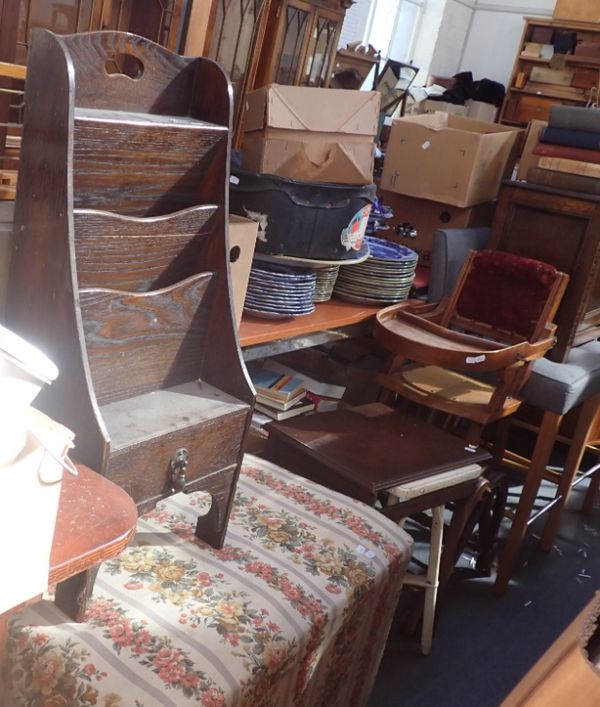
[{"x": 385, "y": 277}]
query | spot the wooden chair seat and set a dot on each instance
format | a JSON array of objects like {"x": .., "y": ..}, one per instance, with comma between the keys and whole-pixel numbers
[{"x": 445, "y": 390}]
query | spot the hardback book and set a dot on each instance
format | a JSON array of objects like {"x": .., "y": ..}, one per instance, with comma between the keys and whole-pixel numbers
[
  {"x": 299, "y": 408},
  {"x": 276, "y": 385},
  {"x": 583, "y": 139},
  {"x": 318, "y": 387},
  {"x": 570, "y": 153},
  {"x": 574, "y": 118},
  {"x": 279, "y": 404},
  {"x": 323, "y": 403},
  {"x": 559, "y": 164},
  {"x": 563, "y": 180}
]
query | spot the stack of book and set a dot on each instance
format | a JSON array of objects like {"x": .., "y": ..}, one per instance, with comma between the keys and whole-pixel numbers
[
  {"x": 279, "y": 395},
  {"x": 569, "y": 150}
]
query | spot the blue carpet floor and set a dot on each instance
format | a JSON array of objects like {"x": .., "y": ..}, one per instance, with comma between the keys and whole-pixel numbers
[{"x": 484, "y": 644}]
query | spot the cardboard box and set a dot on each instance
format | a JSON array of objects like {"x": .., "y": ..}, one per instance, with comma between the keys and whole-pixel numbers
[
  {"x": 472, "y": 109},
  {"x": 242, "y": 239},
  {"x": 528, "y": 159},
  {"x": 429, "y": 106},
  {"x": 311, "y": 134},
  {"x": 448, "y": 158},
  {"x": 426, "y": 217},
  {"x": 577, "y": 10}
]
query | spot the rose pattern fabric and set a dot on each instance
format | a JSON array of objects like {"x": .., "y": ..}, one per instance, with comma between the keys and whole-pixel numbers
[{"x": 293, "y": 610}]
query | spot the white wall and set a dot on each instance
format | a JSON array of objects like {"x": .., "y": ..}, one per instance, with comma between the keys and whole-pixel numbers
[
  {"x": 429, "y": 32},
  {"x": 355, "y": 22},
  {"x": 448, "y": 51},
  {"x": 494, "y": 35},
  {"x": 481, "y": 36}
]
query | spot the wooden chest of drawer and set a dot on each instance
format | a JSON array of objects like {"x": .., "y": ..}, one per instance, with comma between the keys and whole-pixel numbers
[{"x": 522, "y": 108}]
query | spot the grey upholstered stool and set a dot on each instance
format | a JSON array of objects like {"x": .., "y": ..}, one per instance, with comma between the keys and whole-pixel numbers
[{"x": 555, "y": 388}]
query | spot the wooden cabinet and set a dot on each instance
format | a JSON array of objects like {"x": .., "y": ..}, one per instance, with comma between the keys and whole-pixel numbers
[
  {"x": 301, "y": 42},
  {"x": 120, "y": 264},
  {"x": 561, "y": 228},
  {"x": 162, "y": 21},
  {"x": 538, "y": 81},
  {"x": 234, "y": 38}
]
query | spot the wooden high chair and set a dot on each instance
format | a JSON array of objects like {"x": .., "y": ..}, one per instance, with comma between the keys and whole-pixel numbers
[{"x": 470, "y": 354}]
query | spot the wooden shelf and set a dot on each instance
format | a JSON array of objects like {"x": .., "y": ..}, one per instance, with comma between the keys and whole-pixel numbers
[
  {"x": 521, "y": 105},
  {"x": 550, "y": 94},
  {"x": 562, "y": 24},
  {"x": 162, "y": 412},
  {"x": 569, "y": 58},
  {"x": 327, "y": 315}
]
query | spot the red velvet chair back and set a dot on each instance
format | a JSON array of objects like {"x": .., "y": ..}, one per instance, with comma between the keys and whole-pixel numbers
[{"x": 506, "y": 291}]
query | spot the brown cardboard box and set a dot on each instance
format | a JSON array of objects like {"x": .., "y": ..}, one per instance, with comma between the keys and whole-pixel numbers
[
  {"x": 481, "y": 111},
  {"x": 448, "y": 158},
  {"x": 528, "y": 159},
  {"x": 577, "y": 10},
  {"x": 471, "y": 109},
  {"x": 427, "y": 216},
  {"x": 429, "y": 106},
  {"x": 312, "y": 134},
  {"x": 242, "y": 239}
]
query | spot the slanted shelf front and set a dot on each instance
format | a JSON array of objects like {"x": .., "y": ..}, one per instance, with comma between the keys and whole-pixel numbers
[{"x": 120, "y": 270}]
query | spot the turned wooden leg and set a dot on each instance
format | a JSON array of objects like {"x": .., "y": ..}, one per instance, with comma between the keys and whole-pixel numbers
[
  {"x": 590, "y": 495},
  {"x": 533, "y": 479},
  {"x": 581, "y": 436},
  {"x": 432, "y": 578},
  {"x": 473, "y": 435},
  {"x": 212, "y": 526},
  {"x": 490, "y": 519}
]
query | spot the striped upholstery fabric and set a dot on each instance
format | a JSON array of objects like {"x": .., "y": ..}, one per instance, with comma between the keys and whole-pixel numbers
[{"x": 294, "y": 610}]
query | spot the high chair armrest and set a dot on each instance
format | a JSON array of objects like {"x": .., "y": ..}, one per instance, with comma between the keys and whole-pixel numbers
[{"x": 424, "y": 341}]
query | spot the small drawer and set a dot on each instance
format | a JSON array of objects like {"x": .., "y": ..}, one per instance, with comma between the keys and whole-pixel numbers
[
  {"x": 144, "y": 469},
  {"x": 532, "y": 108}
]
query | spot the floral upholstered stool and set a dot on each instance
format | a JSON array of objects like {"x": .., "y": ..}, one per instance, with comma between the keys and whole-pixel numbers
[{"x": 294, "y": 610}]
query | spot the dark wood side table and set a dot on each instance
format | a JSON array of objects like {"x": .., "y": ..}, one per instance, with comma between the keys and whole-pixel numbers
[
  {"x": 561, "y": 228},
  {"x": 369, "y": 449},
  {"x": 96, "y": 520}
]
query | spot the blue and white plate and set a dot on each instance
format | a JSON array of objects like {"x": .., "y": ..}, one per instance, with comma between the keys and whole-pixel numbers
[
  {"x": 381, "y": 249},
  {"x": 276, "y": 291}
]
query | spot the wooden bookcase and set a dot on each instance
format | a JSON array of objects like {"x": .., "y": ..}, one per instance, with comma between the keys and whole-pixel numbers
[
  {"x": 120, "y": 268},
  {"x": 562, "y": 228},
  {"x": 526, "y": 99}
]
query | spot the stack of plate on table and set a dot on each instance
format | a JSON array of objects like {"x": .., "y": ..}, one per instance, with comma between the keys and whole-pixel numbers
[
  {"x": 386, "y": 276},
  {"x": 326, "y": 277},
  {"x": 278, "y": 292}
]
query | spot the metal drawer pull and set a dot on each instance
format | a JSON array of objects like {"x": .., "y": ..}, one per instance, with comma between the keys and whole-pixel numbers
[{"x": 178, "y": 468}]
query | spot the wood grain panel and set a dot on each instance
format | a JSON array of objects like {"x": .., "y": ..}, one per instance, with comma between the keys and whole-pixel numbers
[
  {"x": 129, "y": 165},
  {"x": 165, "y": 247},
  {"x": 138, "y": 342}
]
